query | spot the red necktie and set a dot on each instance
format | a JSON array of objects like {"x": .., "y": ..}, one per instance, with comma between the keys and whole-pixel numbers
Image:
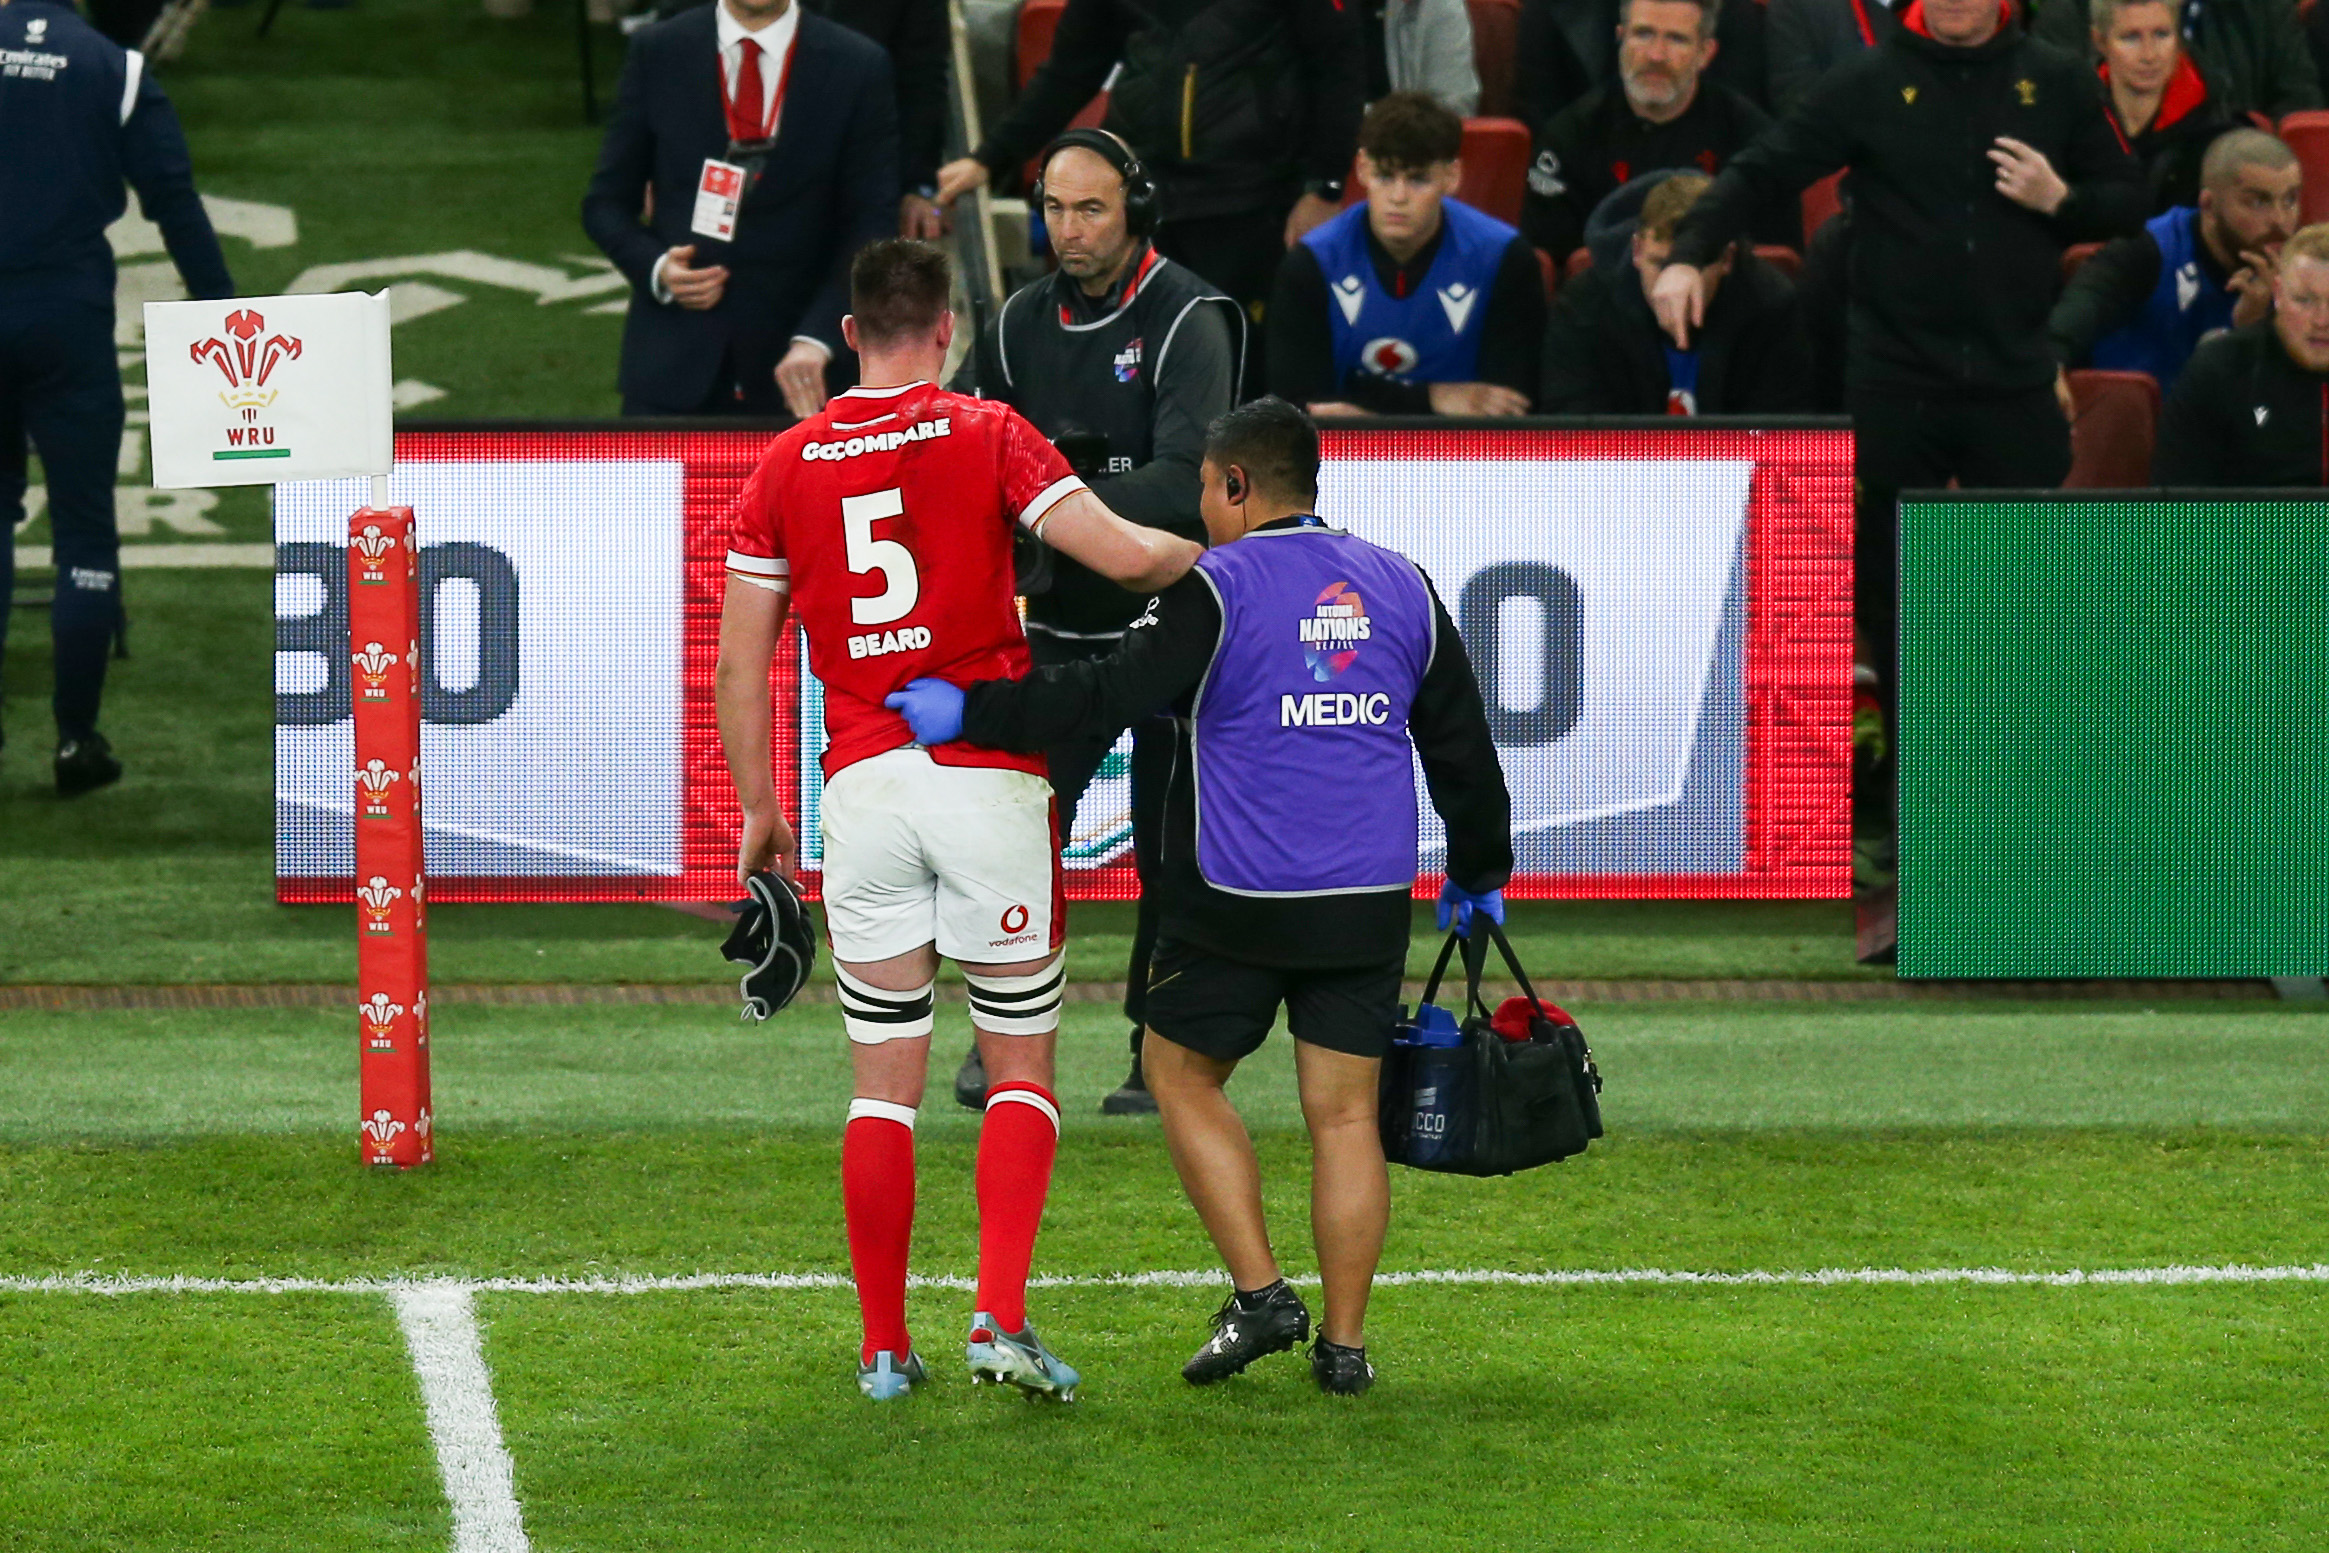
[{"x": 745, "y": 117}]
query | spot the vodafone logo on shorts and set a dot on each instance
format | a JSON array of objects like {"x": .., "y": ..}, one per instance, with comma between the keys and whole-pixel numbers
[{"x": 1014, "y": 925}]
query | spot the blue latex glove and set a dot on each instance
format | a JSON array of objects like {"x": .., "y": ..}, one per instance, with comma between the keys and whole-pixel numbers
[
  {"x": 1457, "y": 904},
  {"x": 933, "y": 709}
]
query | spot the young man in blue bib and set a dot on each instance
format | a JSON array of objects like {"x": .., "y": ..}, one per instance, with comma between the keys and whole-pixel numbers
[
  {"x": 1411, "y": 302},
  {"x": 1306, "y": 670}
]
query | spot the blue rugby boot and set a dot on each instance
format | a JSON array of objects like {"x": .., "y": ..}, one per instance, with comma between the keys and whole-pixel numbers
[
  {"x": 1018, "y": 1359},
  {"x": 886, "y": 1380}
]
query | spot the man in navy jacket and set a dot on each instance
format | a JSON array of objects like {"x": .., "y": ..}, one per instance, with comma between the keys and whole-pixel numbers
[
  {"x": 79, "y": 119},
  {"x": 720, "y": 326}
]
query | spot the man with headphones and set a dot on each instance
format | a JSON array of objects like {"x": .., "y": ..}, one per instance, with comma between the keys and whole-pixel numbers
[{"x": 1123, "y": 358}]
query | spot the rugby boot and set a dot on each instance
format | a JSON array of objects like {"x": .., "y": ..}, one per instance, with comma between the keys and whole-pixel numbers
[
  {"x": 1249, "y": 1327},
  {"x": 85, "y": 764},
  {"x": 886, "y": 1380},
  {"x": 970, "y": 1081},
  {"x": 1018, "y": 1359},
  {"x": 1340, "y": 1371}
]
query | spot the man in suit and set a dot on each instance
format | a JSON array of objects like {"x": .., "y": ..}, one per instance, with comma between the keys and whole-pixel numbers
[{"x": 753, "y": 149}]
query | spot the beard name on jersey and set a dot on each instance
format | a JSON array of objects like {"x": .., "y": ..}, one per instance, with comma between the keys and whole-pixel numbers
[
  {"x": 877, "y": 442},
  {"x": 875, "y": 644}
]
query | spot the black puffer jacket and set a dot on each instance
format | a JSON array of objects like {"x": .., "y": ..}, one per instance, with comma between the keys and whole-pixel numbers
[
  {"x": 2253, "y": 52},
  {"x": 2244, "y": 413},
  {"x": 1951, "y": 282}
]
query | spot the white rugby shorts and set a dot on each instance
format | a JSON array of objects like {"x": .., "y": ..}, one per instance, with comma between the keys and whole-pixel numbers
[{"x": 963, "y": 856}]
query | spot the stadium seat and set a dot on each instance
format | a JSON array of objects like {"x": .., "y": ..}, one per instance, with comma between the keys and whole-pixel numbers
[
  {"x": 1822, "y": 200},
  {"x": 2075, "y": 256},
  {"x": 2307, "y": 134},
  {"x": 1785, "y": 260},
  {"x": 1038, "y": 20},
  {"x": 2112, "y": 433},
  {"x": 1495, "y": 53},
  {"x": 1579, "y": 263},
  {"x": 1496, "y": 155},
  {"x": 1552, "y": 276}
]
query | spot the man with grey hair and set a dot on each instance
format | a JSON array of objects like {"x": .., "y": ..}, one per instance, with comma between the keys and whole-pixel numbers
[
  {"x": 2145, "y": 302},
  {"x": 1659, "y": 113}
]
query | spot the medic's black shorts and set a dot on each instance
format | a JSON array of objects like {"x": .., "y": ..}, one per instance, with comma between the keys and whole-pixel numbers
[{"x": 1224, "y": 1008}]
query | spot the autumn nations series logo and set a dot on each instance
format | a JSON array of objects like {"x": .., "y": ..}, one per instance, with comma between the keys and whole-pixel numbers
[
  {"x": 247, "y": 360},
  {"x": 1332, "y": 632}
]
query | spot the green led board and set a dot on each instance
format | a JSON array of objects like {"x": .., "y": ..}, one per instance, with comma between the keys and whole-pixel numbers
[{"x": 2114, "y": 735}]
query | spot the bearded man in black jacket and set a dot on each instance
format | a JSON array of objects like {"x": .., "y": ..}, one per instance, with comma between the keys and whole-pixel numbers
[{"x": 1977, "y": 155}]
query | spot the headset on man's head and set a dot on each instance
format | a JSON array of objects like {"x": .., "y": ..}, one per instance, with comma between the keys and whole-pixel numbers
[{"x": 1139, "y": 189}]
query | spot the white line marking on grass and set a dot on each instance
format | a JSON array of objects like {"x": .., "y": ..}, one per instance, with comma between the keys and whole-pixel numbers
[
  {"x": 399, "y": 1288},
  {"x": 440, "y": 1330}
]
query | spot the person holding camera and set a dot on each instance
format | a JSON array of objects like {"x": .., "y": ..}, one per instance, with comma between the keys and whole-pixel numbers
[{"x": 1121, "y": 357}]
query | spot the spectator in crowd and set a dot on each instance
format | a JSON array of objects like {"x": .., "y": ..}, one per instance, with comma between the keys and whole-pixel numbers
[
  {"x": 915, "y": 36},
  {"x": 1808, "y": 38},
  {"x": 2157, "y": 95},
  {"x": 1122, "y": 358},
  {"x": 762, "y": 146},
  {"x": 2252, "y": 408},
  {"x": 1977, "y": 153},
  {"x": 1410, "y": 302},
  {"x": 1661, "y": 113},
  {"x": 1567, "y": 48},
  {"x": 80, "y": 118},
  {"x": 1421, "y": 46},
  {"x": 920, "y": 49},
  {"x": 2144, "y": 303},
  {"x": 1604, "y": 353},
  {"x": 1245, "y": 111},
  {"x": 2252, "y": 53}
]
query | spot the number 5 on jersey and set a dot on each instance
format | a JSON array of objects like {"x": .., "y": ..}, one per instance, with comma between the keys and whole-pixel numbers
[{"x": 900, "y": 586}]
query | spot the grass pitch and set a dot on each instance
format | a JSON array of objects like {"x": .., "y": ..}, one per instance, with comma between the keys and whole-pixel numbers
[{"x": 668, "y": 1141}]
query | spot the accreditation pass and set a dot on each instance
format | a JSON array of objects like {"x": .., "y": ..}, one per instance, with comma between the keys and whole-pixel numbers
[{"x": 717, "y": 195}]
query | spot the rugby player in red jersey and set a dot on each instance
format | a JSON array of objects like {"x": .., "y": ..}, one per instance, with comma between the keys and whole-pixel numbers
[{"x": 884, "y": 523}]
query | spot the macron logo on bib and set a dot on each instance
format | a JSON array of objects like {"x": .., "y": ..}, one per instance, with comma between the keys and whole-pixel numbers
[{"x": 877, "y": 442}]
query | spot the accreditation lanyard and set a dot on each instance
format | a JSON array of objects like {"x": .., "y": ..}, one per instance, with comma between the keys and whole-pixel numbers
[{"x": 746, "y": 121}]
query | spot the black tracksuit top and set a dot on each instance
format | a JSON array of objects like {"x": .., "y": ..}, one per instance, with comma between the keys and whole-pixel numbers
[
  {"x": 2245, "y": 414},
  {"x": 1951, "y": 281}
]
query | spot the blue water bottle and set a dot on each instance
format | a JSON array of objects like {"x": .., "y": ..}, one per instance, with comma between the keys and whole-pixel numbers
[{"x": 1442, "y": 1077}]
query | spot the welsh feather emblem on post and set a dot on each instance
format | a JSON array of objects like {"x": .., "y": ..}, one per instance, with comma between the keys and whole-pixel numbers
[
  {"x": 380, "y": 1130},
  {"x": 247, "y": 358},
  {"x": 380, "y": 1013},
  {"x": 372, "y": 666},
  {"x": 373, "y": 780},
  {"x": 372, "y": 549},
  {"x": 377, "y": 897}
]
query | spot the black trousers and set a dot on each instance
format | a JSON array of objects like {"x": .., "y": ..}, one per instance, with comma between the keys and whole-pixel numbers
[
  {"x": 1240, "y": 254},
  {"x": 1907, "y": 442},
  {"x": 1074, "y": 764},
  {"x": 60, "y": 387}
]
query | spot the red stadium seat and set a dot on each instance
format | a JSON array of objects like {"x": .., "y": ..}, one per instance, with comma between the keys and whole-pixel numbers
[
  {"x": 1552, "y": 276},
  {"x": 1785, "y": 260},
  {"x": 2075, "y": 256},
  {"x": 1038, "y": 20},
  {"x": 1579, "y": 263},
  {"x": 1822, "y": 200},
  {"x": 1496, "y": 156},
  {"x": 2111, "y": 436},
  {"x": 1495, "y": 53},
  {"x": 2307, "y": 134}
]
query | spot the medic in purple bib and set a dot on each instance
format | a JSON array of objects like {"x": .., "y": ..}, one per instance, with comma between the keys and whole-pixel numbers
[{"x": 1307, "y": 671}]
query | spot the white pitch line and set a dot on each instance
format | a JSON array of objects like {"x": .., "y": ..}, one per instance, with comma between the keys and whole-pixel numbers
[
  {"x": 440, "y": 1330},
  {"x": 1828, "y": 1277}
]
